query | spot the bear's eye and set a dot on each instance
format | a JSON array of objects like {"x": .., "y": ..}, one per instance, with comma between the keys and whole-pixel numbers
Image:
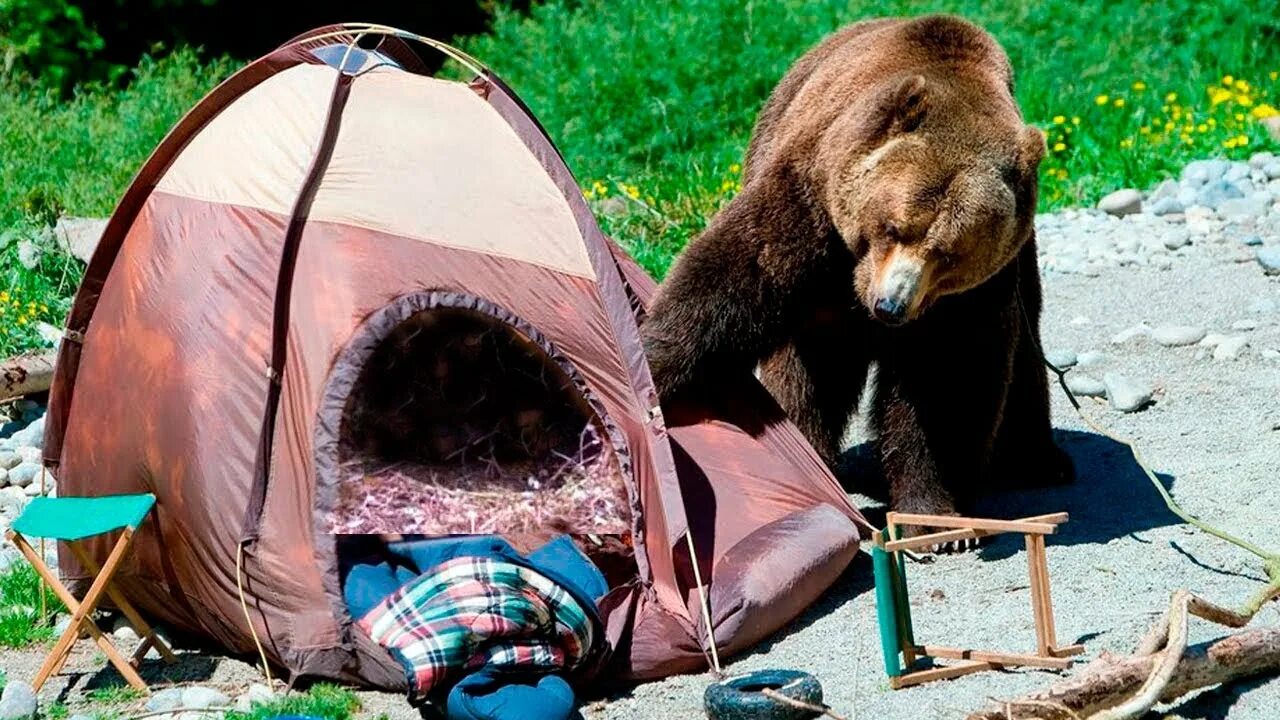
[
  {"x": 944, "y": 259},
  {"x": 892, "y": 232}
]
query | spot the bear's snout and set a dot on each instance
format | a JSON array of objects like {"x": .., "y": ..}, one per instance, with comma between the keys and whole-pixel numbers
[{"x": 897, "y": 292}]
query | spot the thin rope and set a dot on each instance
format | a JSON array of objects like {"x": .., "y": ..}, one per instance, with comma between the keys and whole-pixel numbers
[
  {"x": 703, "y": 605},
  {"x": 445, "y": 49},
  {"x": 44, "y": 607},
  {"x": 244, "y": 605}
]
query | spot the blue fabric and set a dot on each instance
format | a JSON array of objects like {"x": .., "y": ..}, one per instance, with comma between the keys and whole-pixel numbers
[
  {"x": 490, "y": 695},
  {"x": 562, "y": 561},
  {"x": 424, "y": 555},
  {"x": 368, "y": 585}
]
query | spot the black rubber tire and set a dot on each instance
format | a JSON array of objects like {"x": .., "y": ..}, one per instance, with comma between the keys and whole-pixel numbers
[{"x": 738, "y": 698}]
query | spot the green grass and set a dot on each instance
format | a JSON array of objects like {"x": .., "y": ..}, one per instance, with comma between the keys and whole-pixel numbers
[
  {"x": 656, "y": 100},
  {"x": 114, "y": 695},
  {"x": 321, "y": 700},
  {"x": 653, "y": 103},
  {"x": 21, "y": 623}
]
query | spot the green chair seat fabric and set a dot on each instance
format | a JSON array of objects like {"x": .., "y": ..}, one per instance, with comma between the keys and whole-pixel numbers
[{"x": 74, "y": 518}]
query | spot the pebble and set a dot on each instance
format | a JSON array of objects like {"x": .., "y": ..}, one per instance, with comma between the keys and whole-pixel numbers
[
  {"x": 123, "y": 632},
  {"x": 1217, "y": 192},
  {"x": 1243, "y": 208},
  {"x": 18, "y": 702},
  {"x": 9, "y": 459},
  {"x": 1121, "y": 202},
  {"x": 1126, "y": 395},
  {"x": 1260, "y": 159},
  {"x": 1272, "y": 170},
  {"x": 1061, "y": 359},
  {"x": 1090, "y": 358},
  {"x": 1230, "y": 348},
  {"x": 24, "y": 474},
  {"x": 30, "y": 454},
  {"x": 1166, "y": 206},
  {"x": 1083, "y": 385},
  {"x": 1269, "y": 259},
  {"x": 1137, "y": 332},
  {"x": 165, "y": 700},
  {"x": 1199, "y": 172},
  {"x": 198, "y": 697},
  {"x": 256, "y": 695},
  {"x": 1178, "y": 335},
  {"x": 1212, "y": 339},
  {"x": 1179, "y": 238}
]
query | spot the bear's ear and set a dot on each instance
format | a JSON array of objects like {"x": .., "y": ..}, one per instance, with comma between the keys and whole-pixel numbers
[
  {"x": 1031, "y": 148},
  {"x": 903, "y": 107}
]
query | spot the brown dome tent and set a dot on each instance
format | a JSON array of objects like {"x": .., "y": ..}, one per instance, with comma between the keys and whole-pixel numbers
[{"x": 312, "y": 204}]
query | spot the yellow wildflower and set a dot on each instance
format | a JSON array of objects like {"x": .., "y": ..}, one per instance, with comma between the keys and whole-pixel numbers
[
  {"x": 1219, "y": 95},
  {"x": 4, "y": 296},
  {"x": 1239, "y": 117},
  {"x": 1227, "y": 80},
  {"x": 1242, "y": 86},
  {"x": 1242, "y": 140},
  {"x": 735, "y": 168},
  {"x": 1144, "y": 130},
  {"x": 1119, "y": 102},
  {"x": 1244, "y": 100},
  {"x": 1264, "y": 111},
  {"x": 1229, "y": 143},
  {"x": 44, "y": 308},
  {"x": 632, "y": 191},
  {"x": 1075, "y": 120},
  {"x": 1171, "y": 97},
  {"x": 1062, "y": 173},
  {"x": 1213, "y": 122},
  {"x": 1139, "y": 86},
  {"x": 1059, "y": 119},
  {"x": 1202, "y": 127},
  {"x": 1274, "y": 75},
  {"x": 726, "y": 186},
  {"x": 1126, "y": 143},
  {"x": 1059, "y": 147},
  {"x": 1101, "y": 99}
]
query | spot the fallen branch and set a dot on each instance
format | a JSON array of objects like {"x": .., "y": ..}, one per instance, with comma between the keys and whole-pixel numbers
[
  {"x": 26, "y": 374},
  {"x": 1112, "y": 688}
]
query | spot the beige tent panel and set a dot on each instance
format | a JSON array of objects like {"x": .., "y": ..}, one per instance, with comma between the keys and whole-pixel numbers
[{"x": 457, "y": 175}]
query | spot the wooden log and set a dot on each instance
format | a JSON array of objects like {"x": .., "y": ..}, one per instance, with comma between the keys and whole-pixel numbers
[
  {"x": 1111, "y": 679},
  {"x": 26, "y": 374}
]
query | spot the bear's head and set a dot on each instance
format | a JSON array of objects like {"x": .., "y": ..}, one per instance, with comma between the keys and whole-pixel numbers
[{"x": 932, "y": 186}]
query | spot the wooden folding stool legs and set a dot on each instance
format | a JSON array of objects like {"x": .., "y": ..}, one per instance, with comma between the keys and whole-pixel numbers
[{"x": 81, "y": 612}]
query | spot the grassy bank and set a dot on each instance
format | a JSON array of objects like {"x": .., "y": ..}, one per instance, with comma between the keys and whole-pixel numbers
[{"x": 653, "y": 104}]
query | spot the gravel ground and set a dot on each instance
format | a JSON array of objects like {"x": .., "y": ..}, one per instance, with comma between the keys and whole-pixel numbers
[{"x": 1114, "y": 287}]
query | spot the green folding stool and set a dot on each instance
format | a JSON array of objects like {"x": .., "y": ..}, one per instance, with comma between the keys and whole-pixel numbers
[{"x": 71, "y": 520}]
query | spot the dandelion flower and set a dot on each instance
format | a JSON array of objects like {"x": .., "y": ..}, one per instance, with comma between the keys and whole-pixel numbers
[
  {"x": 1059, "y": 147},
  {"x": 1059, "y": 119},
  {"x": 735, "y": 168},
  {"x": 1126, "y": 143},
  {"x": 1227, "y": 80},
  {"x": 1202, "y": 128},
  {"x": 1263, "y": 111},
  {"x": 1242, "y": 86},
  {"x": 1139, "y": 86},
  {"x": 1075, "y": 120},
  {"x": 1171, "y": 97},
  {"x": 1119, "y": 102},
  {"x": 1101, "y": 99},
  {"x": 1242, "y": 140}
]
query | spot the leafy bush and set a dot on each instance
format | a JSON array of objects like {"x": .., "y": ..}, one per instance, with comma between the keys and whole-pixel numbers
[
  {"x": 654, "y": 102},
  {"x": 45, "y": 39}
]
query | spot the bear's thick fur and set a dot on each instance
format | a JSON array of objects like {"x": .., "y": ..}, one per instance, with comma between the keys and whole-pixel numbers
[{"x": 886, "y": 217}]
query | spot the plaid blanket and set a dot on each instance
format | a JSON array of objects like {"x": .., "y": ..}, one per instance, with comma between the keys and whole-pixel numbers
[{"x": 472, "y": 612}]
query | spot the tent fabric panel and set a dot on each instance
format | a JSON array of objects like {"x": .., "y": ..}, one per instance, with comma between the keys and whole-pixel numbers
[
  {"x": 122, "y": 219},
  {"x": 345, "y": 274},
  {"x": 415, "y": 157},
  {"x": 666, "y": 509},
  {"x": 171, "y": 394}
]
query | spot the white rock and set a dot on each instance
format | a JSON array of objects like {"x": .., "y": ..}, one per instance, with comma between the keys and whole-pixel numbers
[
  {"x": 18, "y": 702},
  {"x": 1121, "y": 202},
  {"x": 1126, "y": 395},
  {"x": 1269, "y": 259},
  {"x": 1230, "y": 348},
  {"x": 1260, "y": 159},
  {"x": 1137, "y": 332},
  {"x": 1244, "y": 325},
  {"x": 165, "y": 700},
  {"x": 1176, "y": 238},
  {"x": 13, "y": 500},
  {"x": 1212, "y": 339},
  {"x": 198, "y": 697},
  {"x": 123, "y": 632},
  {"x": 1089, "y": 358},
  {"x": 79, "y": 235},
  {"x": 30, "y": 454},
  {"x": 9, "y": 459},
  {"x": 1178, "y": 335},
  {"x": 1085, "y": 385},
  {"x": 1243, "y": 208},
  {"x": 1061, "y": 359},
  {"x": 24, "y": 474}
]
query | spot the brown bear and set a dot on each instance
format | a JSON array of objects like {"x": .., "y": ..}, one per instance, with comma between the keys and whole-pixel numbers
[{"x": 886, "y": 218}]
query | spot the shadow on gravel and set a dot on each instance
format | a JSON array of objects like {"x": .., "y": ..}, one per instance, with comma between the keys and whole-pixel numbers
[
  {"x": 191, "y": 667},
  {"x": 1110, "y": 498}
]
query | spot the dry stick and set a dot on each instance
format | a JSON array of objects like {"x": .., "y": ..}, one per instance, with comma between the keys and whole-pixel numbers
[
  {"x": 776, "y": 696},
  {"x": 1107, "y": 681}
]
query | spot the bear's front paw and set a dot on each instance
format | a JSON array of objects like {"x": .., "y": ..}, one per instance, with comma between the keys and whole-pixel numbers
[{"x": 943, "y": 547}]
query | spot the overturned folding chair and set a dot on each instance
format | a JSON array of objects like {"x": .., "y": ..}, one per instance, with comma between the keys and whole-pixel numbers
[{"x": 71, "y": 520}]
